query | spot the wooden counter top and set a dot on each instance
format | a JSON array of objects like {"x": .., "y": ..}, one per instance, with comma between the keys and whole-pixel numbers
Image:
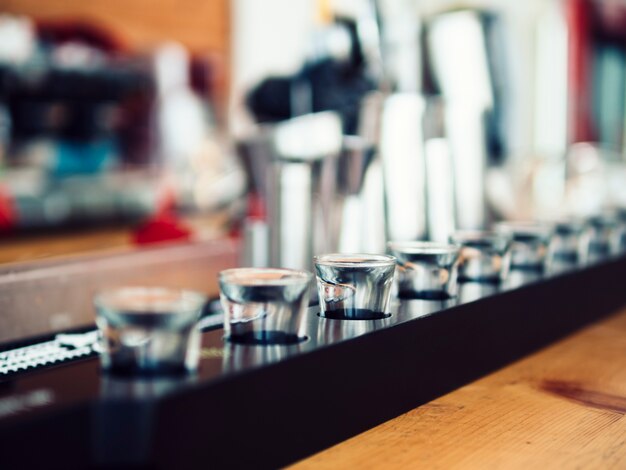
[
  {"x": 47, "y": 282},
  {"x": 62, "y": 245},
  {"x": 562, "y": 407}
]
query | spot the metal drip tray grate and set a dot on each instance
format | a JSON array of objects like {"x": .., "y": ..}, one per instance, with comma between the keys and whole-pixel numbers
[
  {"x": 67, "y": 347},
  {"x": 62, "y": 348}
]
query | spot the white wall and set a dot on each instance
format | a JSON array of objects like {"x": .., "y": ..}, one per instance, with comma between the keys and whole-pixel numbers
[
  {"x": 272, "y": 36},
  {"x": 268, "y": 37}
]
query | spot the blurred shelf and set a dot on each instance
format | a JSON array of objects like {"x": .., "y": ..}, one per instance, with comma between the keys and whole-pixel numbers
[{"x": 62, "y": 245}]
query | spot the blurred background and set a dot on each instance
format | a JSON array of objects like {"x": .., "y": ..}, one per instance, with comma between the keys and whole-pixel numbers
[{"x": 301, "y": 126}]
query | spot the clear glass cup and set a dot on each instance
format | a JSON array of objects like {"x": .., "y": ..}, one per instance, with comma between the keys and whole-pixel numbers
[
  {"x": 484, "y": 257},
  {"x": 264, "y": 306},
  {"x": 569, "y": 245},
  {"x": 149, "y": 330},
  {"x": 603, "y": 232},
  {"x": 425, "y": 270},
  {"x": 619, "y": 245},
  {"x": 354, "y": 286},
  {"x": 530, "y": 244}
]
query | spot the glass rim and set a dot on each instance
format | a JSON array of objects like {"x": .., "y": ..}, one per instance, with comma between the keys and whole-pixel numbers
[
  {"x": 566, "y": 221},
  {"x": 603, "y": 220},
  {"x": 426, "y": 247},
  {"x": 112, "y": 298},
  {"x": 461, "y": 236},
  {"x": 354, "y": 259},
  {"x": 524, "y": 226},
  {"x": 238, "y": 276}
]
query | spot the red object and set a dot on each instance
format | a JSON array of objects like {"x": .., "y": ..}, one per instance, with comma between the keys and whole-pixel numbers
[
  {"x": 579, "y": 25},
  {"x": 8, "y": 215},
  {"x": 255, "y": 211},
  {"x": 165, "y": 225},
  {"x": 256, "y": 207},
  {"x": 161, "y": 228}
]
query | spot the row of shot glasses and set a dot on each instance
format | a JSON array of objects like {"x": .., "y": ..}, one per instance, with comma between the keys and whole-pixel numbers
[{"x": 154, "y": 330}]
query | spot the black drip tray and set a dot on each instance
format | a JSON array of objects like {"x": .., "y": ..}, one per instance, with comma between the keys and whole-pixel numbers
[{"x": 346, "y": 378}]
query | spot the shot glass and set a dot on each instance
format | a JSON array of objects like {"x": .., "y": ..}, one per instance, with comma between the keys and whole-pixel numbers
[
  {"x": 354, "y": 286},
  {"x": 425, "y": 270},
  {"x": 149, "y": 331},
  {"x": 604, "y": 232},
  {"x": 530, "y": 244},
  {"x": 619, "y": 245},
  {"x": 264, "y": 306},
  {"x": 569, "y": 245},
  {"x": 484, "y": 256}
]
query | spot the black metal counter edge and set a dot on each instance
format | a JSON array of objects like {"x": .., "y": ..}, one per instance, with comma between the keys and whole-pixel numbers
[{"x": 276, "y": 415}]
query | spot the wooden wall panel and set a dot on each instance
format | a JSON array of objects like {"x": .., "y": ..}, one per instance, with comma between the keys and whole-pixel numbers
[{"x": 201, "y": 25}]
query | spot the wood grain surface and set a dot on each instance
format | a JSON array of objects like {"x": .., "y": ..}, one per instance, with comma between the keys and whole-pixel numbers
[
  {"x": 562, "y": 407},
  {"x": 64, "y": 245},
  {"x": 47, "y": 282}
]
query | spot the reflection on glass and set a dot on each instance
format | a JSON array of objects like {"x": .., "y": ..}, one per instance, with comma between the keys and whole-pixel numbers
[
  {"x": 617, "y": 240},
  {"x": 238, "y": 357},
  {"x": 416, "y": 308},
  {"x": 264, "y": 305},
  {"x": 529, "y": 244},
  {"x": 123, "y": 433},
  {"x": 485, "y": 256},
  {"x": 471, "y": 291},
  {"x": 149, "y": 330},
  {"x": 569, "y": 245},
  {"x": 355, "y": 287},
  {"x": 603, "y": 236},
  {"x": 425, "y": 270},
  {"x": 519, "y": 277},
  {"x": 331, "y": 331}
]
